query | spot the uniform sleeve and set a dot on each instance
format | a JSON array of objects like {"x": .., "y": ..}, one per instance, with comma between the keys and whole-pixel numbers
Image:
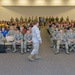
[
  {"x": 68, "y": 37},
  {"x": 73, "y": 36},
  {"x": 31, "y": 37},
  {"x": 25, "y": 39},
  {"x": 2, "y": 38},
  {"x": 21, "y": 37},
  {"x": 14, "y": 36},
  {"x": 38, "y": 35},
  {"x": 54, "y": 35},
  {"x": 58, "y": 37},
  {"x": 64, "y": 37}
]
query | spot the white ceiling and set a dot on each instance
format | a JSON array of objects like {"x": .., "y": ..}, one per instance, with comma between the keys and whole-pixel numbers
[{"x": 37, "y": 2}]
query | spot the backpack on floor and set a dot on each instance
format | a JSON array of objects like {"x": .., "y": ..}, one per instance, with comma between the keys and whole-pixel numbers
[{"x": 2, "y": 49}]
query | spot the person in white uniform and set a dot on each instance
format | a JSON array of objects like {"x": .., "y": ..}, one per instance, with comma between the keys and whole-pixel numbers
[{"x": 36, "y": 39}]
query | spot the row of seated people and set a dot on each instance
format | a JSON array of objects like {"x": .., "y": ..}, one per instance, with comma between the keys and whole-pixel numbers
[
  {"x": 7, "y": 24},
  {"x": 24, "y": 19},
  {"x": 41, "y": 18},
  {"x": 61, "y": 34},
  {"x": 16, "y": 37}
]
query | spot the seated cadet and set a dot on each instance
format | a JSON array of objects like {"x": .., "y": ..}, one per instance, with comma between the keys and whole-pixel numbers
[
  {"x": 51, "y": 35},
  {"x": 1, "y": 39},
  {"x": 71, "y": 40},
  {"x": 30, "y": 28},
  {"x": 52, "y": 28},
  {"x": 61, "y": 39},
  {"x": 11, "y": 32},
  {"x": 15, "y": 27},
  {"x": 22, "y": 30},
  {"x": 18, "y": 39},
  {"x": 27, "y": 39},
  {"x": 9, "y": 37},
  {"x": 65, "y": 31},
  {"x": 56, "y": 31},
  {"x": 4, "y": 32}
]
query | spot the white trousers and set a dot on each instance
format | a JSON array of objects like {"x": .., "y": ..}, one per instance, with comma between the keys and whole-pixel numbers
[{"x": 35, "y": 50}]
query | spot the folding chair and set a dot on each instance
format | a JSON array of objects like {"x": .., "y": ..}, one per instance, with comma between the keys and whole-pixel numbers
[{"x": 9, "y": 41}]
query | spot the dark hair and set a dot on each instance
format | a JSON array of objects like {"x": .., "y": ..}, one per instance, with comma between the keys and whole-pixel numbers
[
  {"x": 35, "y": 22},
  {"x": 27, "y": 29},
  {"x": 18, "y": 28}
]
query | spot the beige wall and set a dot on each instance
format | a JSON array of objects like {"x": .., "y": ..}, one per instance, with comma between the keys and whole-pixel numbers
[{"x": 14, "y": 11}]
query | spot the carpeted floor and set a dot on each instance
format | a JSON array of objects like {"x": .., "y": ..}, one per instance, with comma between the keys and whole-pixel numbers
[{"x": 50, "y": 64}]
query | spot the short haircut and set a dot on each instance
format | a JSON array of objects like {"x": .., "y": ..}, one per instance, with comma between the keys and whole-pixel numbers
[{"x": 35, "y": 22}]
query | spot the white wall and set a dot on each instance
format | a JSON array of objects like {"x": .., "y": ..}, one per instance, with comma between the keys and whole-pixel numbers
[{"x": 16, "y": 11}]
